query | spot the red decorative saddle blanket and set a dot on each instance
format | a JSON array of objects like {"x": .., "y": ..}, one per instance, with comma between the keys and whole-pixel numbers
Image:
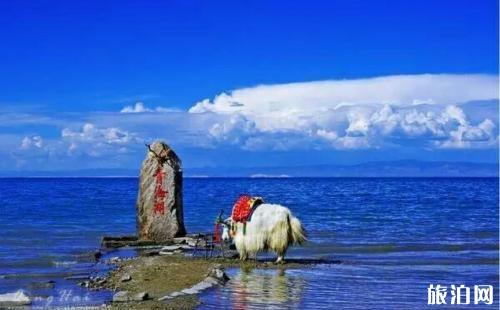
[{"x": 243, "y": 208}]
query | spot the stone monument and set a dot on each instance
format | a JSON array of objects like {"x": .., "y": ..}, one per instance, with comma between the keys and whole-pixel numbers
[{"x": 159, "y": 202}]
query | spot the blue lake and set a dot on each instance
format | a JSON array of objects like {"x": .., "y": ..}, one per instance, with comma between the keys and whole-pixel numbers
[{"x": 392, "y": 236}]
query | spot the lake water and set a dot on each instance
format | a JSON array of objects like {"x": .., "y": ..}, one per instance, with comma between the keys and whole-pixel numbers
[{"x": 393, "y": 237}]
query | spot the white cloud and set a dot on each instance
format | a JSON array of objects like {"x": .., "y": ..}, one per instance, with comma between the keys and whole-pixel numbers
[
  {"x": 396, "y": 90},
  {"x": 233, "y": 130},
  {"x": 139, "y": 107},
  {"x": 76, "y": 149},
  {"x": 354, "y": 113},
  {"x": 32, "y": 142},
  {"x": 469, "y": 136},
  {"x": 34, "y": 151},
  {"x": 97, "y": 141},
  {"x": 328, "y": 135},
  {"x": 358, "y": 124},
  {"x": 265, "y": 175},
  {"x": 91, "y": 133}
]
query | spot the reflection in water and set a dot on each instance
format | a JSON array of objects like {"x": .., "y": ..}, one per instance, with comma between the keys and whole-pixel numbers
[
  {"x": 274, "y": 288},
  {"x": 258, "y": 289}
]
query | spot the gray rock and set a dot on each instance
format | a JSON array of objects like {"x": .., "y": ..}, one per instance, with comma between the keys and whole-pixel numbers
[
  {"x": 171, "y": 248},
  {"x": 18, "y": 298},
  {"x": 171, "y": 296},
  {"x": 182, "y": 240},
  {"x": 217, "y": 272},
  {"x": 166, "y": 253},
  {"x": 124, "y": 296},
  {"x": 140, "y": 296},
  {"x": 196, "y": 243},
  {"x": 176, "y": 294},
  {"x": 202, "y": 285},
  {"x": 187, "y": 243},
  {"x": 121, "y": 296},
  {"x": 212, "y": 281},
  {"x": 125, "y": 278},
  {"x": 84, "y": 283},
  {"x": 190, "y": 291},
  {"x": 215, "y": 276},
  {"x": 160, "y": 219}
]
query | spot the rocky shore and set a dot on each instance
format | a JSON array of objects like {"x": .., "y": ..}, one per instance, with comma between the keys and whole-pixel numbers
[{"x": 141, "y": 282}]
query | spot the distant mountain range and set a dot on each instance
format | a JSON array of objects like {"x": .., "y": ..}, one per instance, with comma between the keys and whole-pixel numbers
[{"x": 404, "y": 168}]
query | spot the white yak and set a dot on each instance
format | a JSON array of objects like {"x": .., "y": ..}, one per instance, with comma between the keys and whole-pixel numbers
[{"x": 271, "y": 227}]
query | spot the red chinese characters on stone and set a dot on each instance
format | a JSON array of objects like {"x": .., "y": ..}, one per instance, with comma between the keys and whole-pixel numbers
[{"x": 160, "y": 192}]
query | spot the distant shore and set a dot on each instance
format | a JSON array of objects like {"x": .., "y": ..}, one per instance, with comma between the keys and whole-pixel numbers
[{"x": 375, "y": 169}]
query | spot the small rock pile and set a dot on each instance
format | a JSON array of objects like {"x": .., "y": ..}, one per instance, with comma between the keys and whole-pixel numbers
[
  {"x": 177, "y": 246},
  {"x": 125, "y": 296},
  {"x": 94, "y": 283}
]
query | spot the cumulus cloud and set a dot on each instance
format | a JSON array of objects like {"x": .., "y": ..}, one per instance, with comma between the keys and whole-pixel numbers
[
  {"x": 468, "y": 136},
  {"x": 91, "y": 133},
  {"x": 234, "y": 130},
  {"x": 362, "y": 113},
  {"x": 32, "y": 142},
  {"x": 34, "y": 150},
  {"x": 139, "y": 107},
  {"x": 441, "y": 127},
  {"x": 96, "y": 141}
]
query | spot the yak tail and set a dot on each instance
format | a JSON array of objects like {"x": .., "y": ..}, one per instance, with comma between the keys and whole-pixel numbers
[{"x": 298, "y": 232}]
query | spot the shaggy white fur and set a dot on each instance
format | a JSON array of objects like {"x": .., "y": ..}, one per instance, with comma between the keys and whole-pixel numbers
[{"x": 271, "y": 227}]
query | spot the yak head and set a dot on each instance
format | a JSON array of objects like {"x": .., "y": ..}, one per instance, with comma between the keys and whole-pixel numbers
[{"x": 226, "y": 226}]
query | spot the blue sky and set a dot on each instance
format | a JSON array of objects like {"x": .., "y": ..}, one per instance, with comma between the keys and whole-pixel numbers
[{"x": 284, "y": 83}]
